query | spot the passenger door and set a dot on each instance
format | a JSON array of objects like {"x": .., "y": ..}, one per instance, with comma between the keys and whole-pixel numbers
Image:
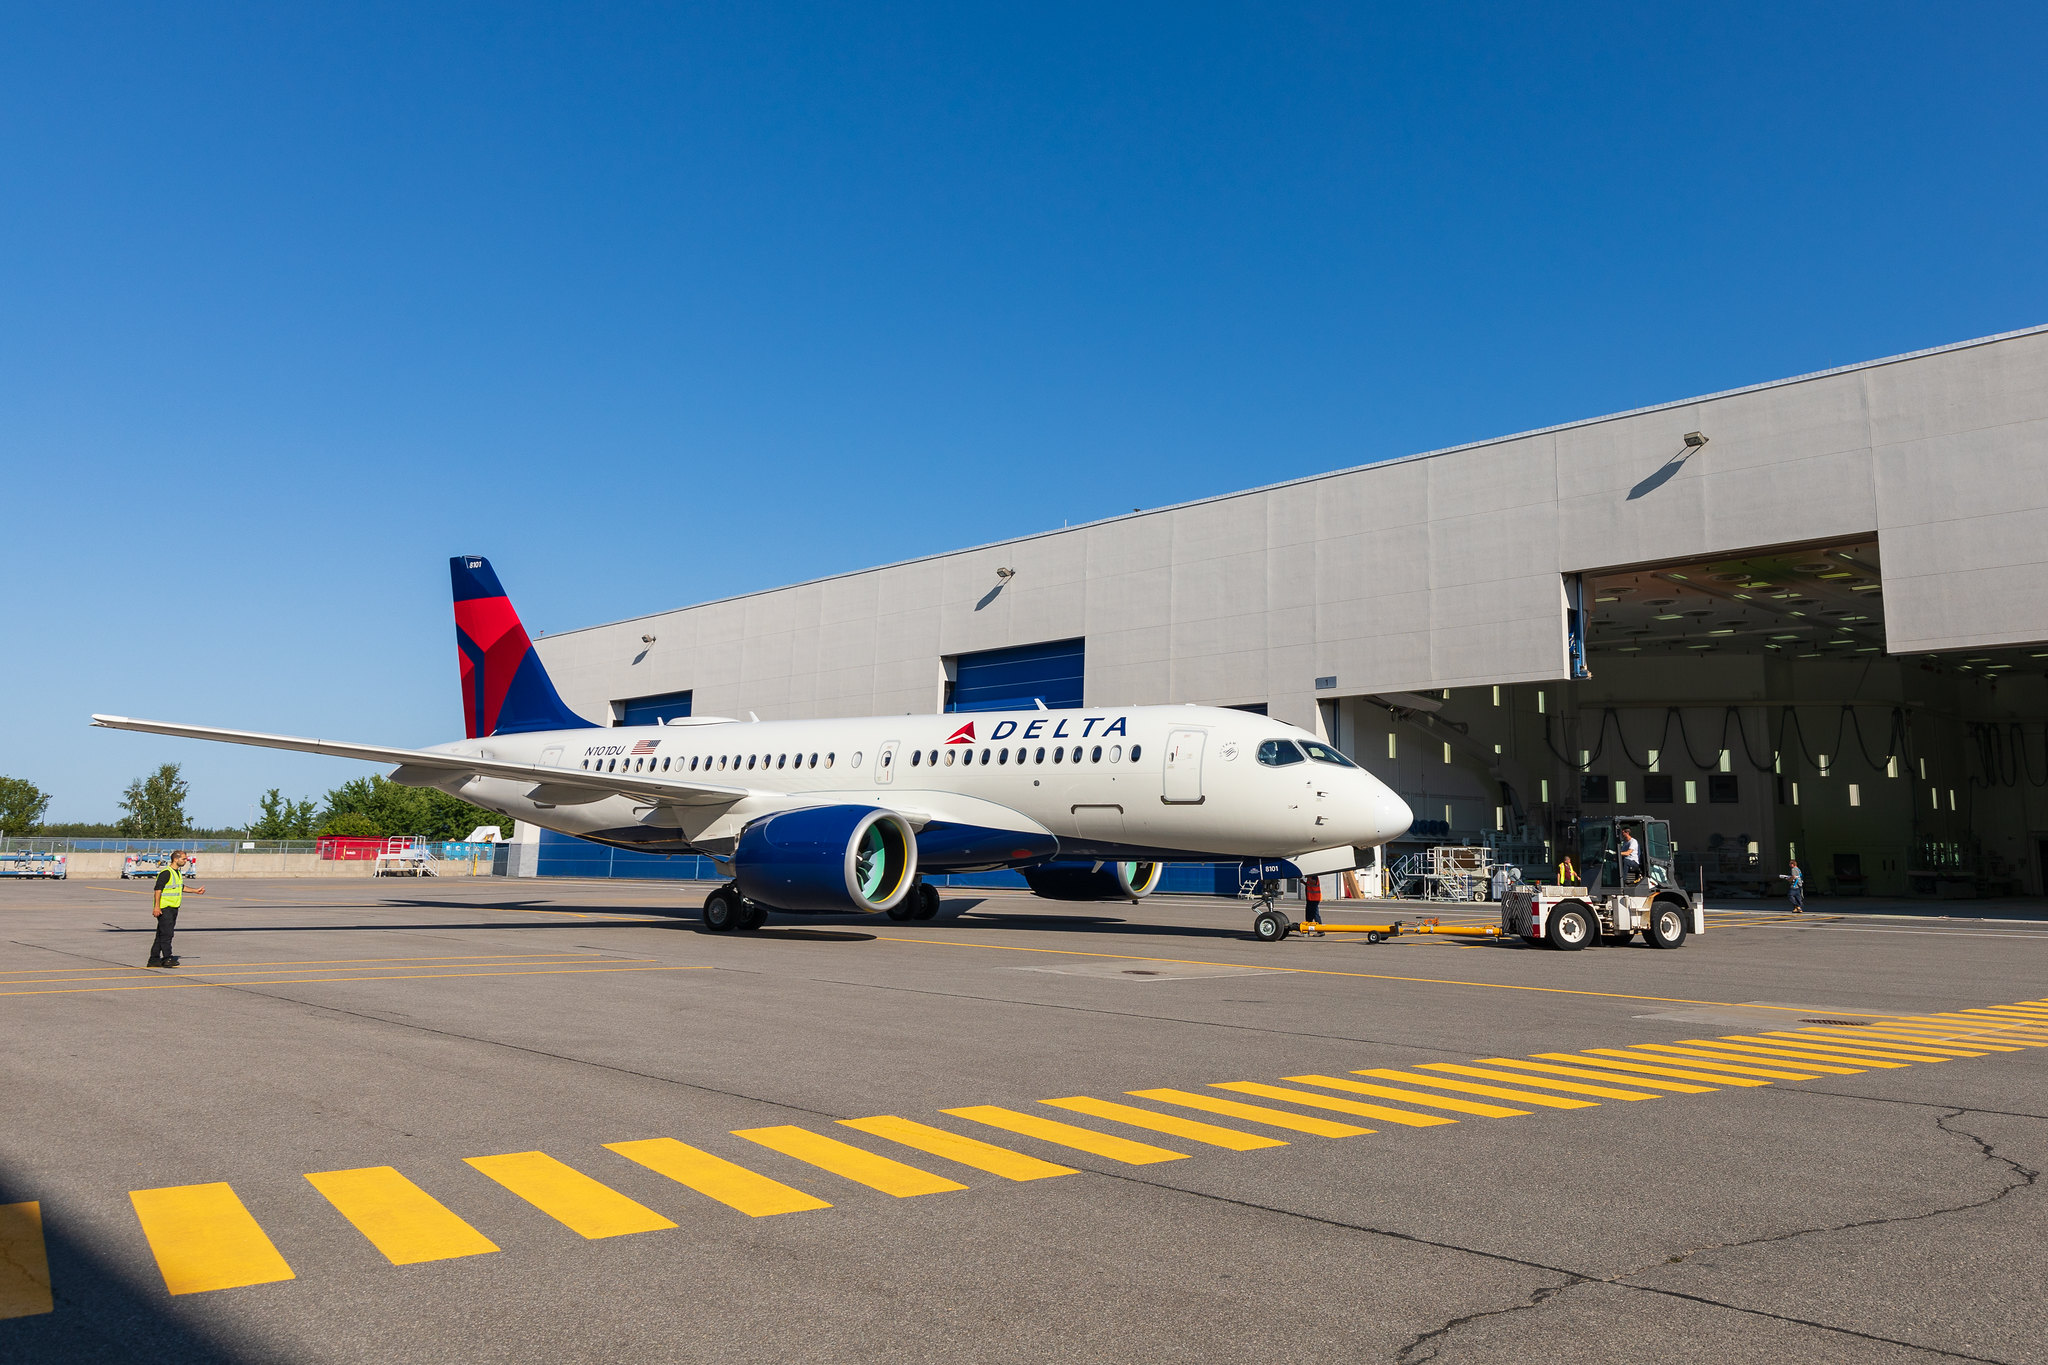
[
  {"x": 1183, "y": 773},
  {"x": 885, "y": 762}
]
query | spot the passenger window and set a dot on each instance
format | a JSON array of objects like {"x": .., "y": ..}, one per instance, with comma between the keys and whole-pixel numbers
[
  {"x": 934, "y": 759},
  {"x": 1274, "y": 753},
  {"x": 1323, "y": 753},
  {"x": 916, "y": 756},
  {"x": 949, "y": 758},
  {"x": 1136, "y": 749},
  {"x": 814, "y": 760},
  {"x": 854, "y": 762},
  {"x": 1057, "y": 753},
  {"x": 828, "y": 760},
  {"x": 1002, "y": 755},
  {"x": 1096, "y": 757},
  {"x": 1077, "y": 753},
  {"x": 984, "y": 758},
  {"x": 1038, "y": 757},
  {"x": 1116, "y": 753}
]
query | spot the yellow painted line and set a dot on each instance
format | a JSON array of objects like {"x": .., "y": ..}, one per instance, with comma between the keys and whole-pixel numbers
[
  {"x": 1371, "y": 1111},
  {"x": 1390, "y": 1092},
  {"x": 1884, "y": 1047},
  {"x": 401, "y": 1220},
  {"x": 204, "y": 1239},
  {"x": 1625, "y": 1065},
  {"x": 1787, "y": 1055},
  {"x": 1717, "y": 1056},
  {"x": 2019, "y": 1012},
  {"x": 24, "y": 1262},
  {"x": 1192, "y": 1129},
  {"x": 1569, "y": 1087},
  {"x": 1067, "y": 1135},
  {"x": 1589, "y": 1074},
  {"x": 730, "y": 1184},
  {"x": 1696, "y": 1061},
  {"x": 1253, "y": 1113},
  {"x": 982, "y": 1156},
  {"x": 844, "y": 1159},
  {"x": 2001, "y": 1027},
  {"x": 1472, "y": 1088},
  {"x": 568, "y": 1196},
  {"x": 163, "y": 984}
]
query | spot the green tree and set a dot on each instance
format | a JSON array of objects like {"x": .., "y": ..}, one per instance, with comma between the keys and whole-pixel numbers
[
  {"x": 388, "y": 808},
  {"x": 350, "y": 824},
  {"x": 282, "y": 818},
  {"x": 155, "y": 805},
  {"x": 22, "y": 804}
]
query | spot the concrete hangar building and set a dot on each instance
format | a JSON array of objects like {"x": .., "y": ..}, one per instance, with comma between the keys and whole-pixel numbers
[{"x": 1806, "y": 618}]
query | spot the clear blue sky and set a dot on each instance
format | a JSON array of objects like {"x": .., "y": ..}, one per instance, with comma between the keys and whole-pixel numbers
[{"x": 655, "y": 304}]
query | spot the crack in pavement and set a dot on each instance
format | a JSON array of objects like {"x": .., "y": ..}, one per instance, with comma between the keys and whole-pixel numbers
[{"x": 2024, "y": 1178}]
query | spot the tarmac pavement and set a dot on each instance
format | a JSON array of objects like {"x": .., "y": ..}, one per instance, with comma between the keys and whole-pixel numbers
[{"x": 554, "y": 1120}]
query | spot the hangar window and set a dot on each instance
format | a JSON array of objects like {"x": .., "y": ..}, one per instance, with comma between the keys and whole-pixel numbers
[
  {"x": 1657, "y": 789},
  {"x": 1593, "y": 789},
  {"x": 1722, "y": 790},
  {"x": 1274, "y": 753},
  {"x": 1096, "y": 757},
  {"x": 1323, "y": 753},
  {"x": 1136, "y": 749}
]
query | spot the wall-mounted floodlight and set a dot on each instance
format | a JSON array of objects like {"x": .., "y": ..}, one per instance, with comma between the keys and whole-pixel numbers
[
  {"x": 1695, "y": 439},
  {"x": 647, "y": 639},
  {"x": 1006, "y": 573}
]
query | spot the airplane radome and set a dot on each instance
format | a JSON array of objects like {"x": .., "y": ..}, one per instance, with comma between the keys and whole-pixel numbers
[{"x": 832, "y": 816}]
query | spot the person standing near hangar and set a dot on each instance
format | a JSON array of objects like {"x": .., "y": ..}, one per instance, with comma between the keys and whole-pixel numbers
[{"x": 169, "y": 894}]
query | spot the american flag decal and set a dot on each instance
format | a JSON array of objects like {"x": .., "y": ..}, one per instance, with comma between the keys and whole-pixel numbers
[{"x": 646, "y": 746}]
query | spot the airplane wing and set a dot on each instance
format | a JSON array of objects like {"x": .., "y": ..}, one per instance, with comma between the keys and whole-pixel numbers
[{"x": 574, "y": 784}]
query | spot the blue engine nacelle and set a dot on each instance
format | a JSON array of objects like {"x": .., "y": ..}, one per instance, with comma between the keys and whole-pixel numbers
[
  {"x": 827, "y": 858},
  {"x": 1093, "y": 881}
]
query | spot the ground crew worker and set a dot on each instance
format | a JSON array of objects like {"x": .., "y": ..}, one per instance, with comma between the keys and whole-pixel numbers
[
  {"x": 1798, "y": 889},
  {"x": 1312, "y": 912},
  {"x": 1567, "y": 872},
  {"x": 170, "y": 894}
]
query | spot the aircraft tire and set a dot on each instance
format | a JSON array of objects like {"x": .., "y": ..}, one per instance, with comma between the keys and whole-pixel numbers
[
  {"x": 927, "y": 897},
  {"x": 753, "y": 915},
  {"x": 722, "y": 910},
  {"x": 1270, "y": 927},
  {"x": 902, "y": 910}
]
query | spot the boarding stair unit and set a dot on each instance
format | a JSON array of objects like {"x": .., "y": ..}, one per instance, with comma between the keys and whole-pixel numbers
[{"x": 404, "y": 855}]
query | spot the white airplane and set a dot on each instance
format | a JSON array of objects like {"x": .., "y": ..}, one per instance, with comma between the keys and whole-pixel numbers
[{"x": 831, "y": 816}]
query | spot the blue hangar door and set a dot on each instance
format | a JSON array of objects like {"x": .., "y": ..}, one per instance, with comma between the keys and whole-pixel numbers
[{"x": 1016, "y": 679}]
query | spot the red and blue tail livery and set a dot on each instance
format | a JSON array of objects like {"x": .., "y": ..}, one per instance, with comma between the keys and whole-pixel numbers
[{"x": 505, "y": 690}]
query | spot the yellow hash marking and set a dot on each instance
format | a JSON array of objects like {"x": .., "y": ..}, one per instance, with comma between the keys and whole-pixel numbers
[
  {"x": 729, "y": 1183},
  {"x": 1371, "y": 1111},
  {"x": 584, "y": 1206},
  {"x": 1253, "y": 1113},
  {"x": 1694, "y": 1059},
  {"x": 1587, "y": 1073},
  {"x": 1391, "y": 1092},
  {"x": 204, "y": 1238},
  {"x": 853, "y": 1163},
  {"x": 24, "y": 1262},
  {"x": 1068, "y": 1135},
  {"x": 1783, "y": 1056},
  {"x": 1648, "y": 1070},
  {"x": 1193, "y": 1129},
  {"x": 401, "y": 1220},
  {"x": 982, "y": 1156}
]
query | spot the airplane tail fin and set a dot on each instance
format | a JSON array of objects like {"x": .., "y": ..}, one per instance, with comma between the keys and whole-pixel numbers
[{"x": 505, "y": 690}]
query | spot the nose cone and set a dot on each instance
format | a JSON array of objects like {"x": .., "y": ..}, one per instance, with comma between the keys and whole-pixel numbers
[{"x": 1386, "y": 816}]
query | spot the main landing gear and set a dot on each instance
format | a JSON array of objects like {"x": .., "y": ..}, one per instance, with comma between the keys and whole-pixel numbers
[
  {"x": 726, "y": 910},
  {"x": 921, "y": 903}
]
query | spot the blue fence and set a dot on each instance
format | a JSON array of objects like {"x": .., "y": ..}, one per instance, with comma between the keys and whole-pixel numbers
[{"x": 563, "y": 855}]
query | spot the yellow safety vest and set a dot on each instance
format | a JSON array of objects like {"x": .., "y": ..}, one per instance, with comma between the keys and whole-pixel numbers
[{"x": 174, "y": 891}]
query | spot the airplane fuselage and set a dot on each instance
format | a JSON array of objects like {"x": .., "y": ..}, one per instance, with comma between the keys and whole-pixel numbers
[{"x": 1118, "y": 783}]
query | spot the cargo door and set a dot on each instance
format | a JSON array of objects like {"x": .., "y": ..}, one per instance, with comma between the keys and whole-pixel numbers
[{"x": 1183, "y": 772}]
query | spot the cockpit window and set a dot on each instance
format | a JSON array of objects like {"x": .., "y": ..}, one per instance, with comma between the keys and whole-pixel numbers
[
  {"x": 1323, "y": 753},
  {"x": 1278, "y": 753}
]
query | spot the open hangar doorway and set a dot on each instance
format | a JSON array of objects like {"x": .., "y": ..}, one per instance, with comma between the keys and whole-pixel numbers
[{"x": 1752, "y": 701}]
